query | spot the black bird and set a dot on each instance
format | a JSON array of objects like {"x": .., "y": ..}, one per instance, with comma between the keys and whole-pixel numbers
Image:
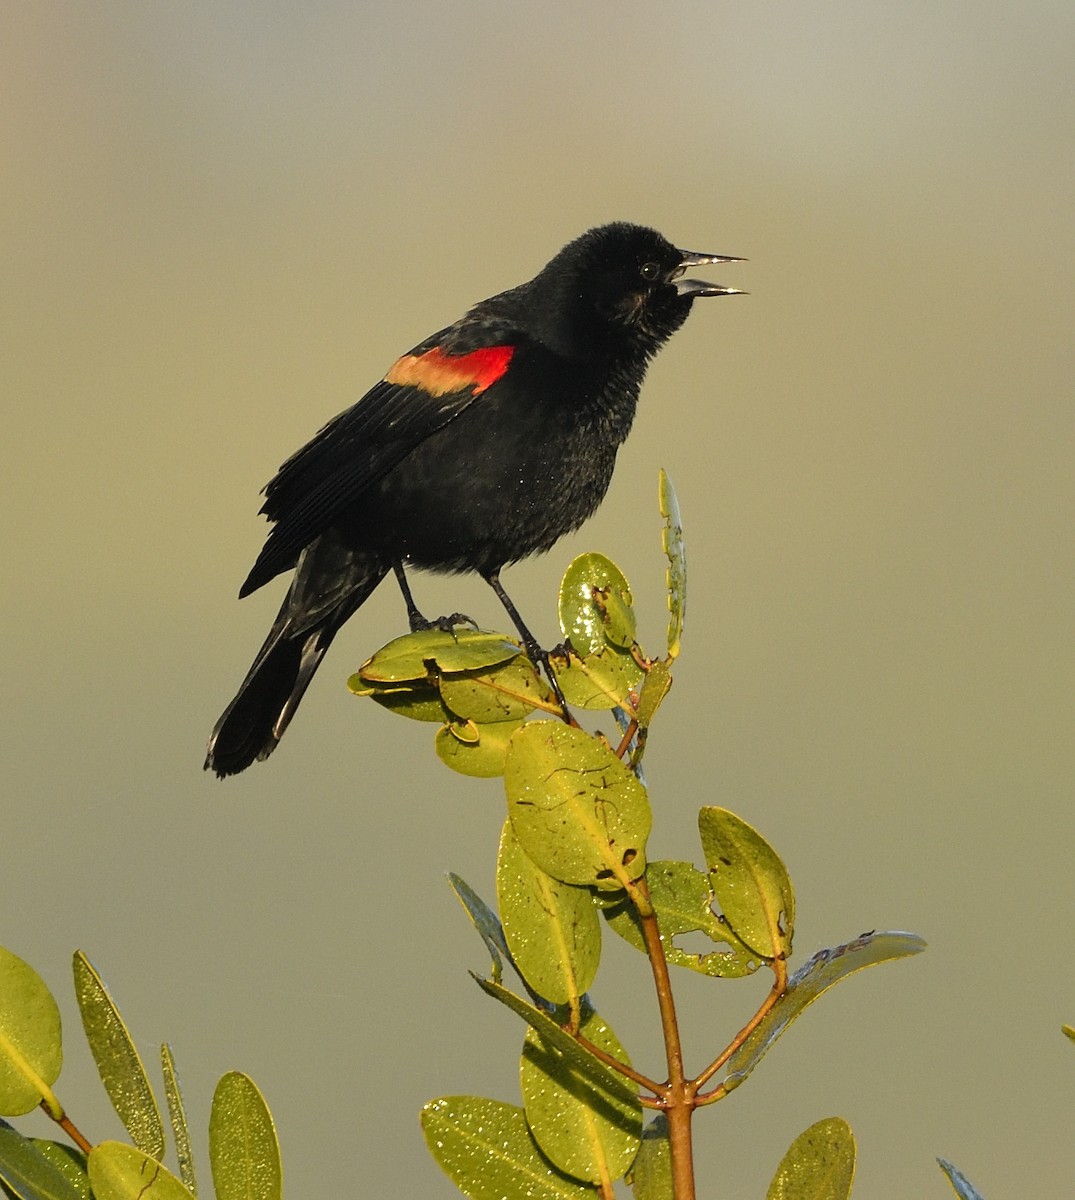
[{"x": 486, "y": 443}]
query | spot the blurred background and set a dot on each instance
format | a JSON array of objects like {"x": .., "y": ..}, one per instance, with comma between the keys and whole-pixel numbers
[{"x": 223, "y": 222}]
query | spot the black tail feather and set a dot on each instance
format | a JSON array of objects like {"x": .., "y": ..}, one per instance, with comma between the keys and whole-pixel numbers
[{"x": 330, "y": 584}]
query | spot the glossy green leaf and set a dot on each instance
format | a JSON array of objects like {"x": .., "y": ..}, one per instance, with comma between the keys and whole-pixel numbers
[
  {"x": 485, "y": 1148},
  {"x": 819, "y": 1164},
  {"x": 31, "y": 1051},
  {"x": 71, "y": 1163},
  {"x": 587, "y": 1132},
  {"x": 577, "y": 811},
  {"x": 750, "y": 882},
  {"x": 29, "y": 1173},
  {"x": 595, "y": 605},
  {"x": 676, "y": 553},
  {"x": 655, "y": 687},
  {"x": 117, "y": 1060},
  {"x": 1068, "y": 1031},
  {"x": 507, "y": 692},
  {"x": 243, "y": 1151},
  {"x": 600, "y": 681},
  {"x": 416, "y": 656},
  {"x": 961, "y": 1185},
  {"x": 120, "y": 1172},
  {"x": 177, "y": 1115},
  {"x": 585, "y": 1063},
  {"x": 416, "y": 700},
  {"x": 651, "y": 1175},
  {"x": 816, "y": 976},
  {"x": 683, "y": 900},
  {"x": 485, "y": 921},
  {"x": 552, "y": 928},
  {"x": 475, "y": 750}
]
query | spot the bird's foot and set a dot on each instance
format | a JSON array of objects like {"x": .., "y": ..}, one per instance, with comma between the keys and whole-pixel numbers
[{"x": 444, "y": 624}]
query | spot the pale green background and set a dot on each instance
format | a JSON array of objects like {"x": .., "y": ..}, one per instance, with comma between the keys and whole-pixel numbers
[{"x": 223, "y": 221}]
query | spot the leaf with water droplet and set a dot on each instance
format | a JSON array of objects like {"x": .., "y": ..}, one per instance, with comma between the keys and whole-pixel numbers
[
  {"x": 676, "y": 553},
  {"x": 750, "y": 882},
  {"x": 30, "y": 1043},
  {"x": 120, "y": 1172},
  {"x": 584, "y": 1130},
  {"x": 595, "y": 605},
  {"x": 552, "y": 928},
  {"x": 577, "y": 811},
  {"x": 243, "y": 1150},
  {"x": 118, "y": 1062},
  {"x": 599, "y": 681},
  {"x": 485, "y": 1148},
  {"x": 818, "y": 1165},
  {"x": 30, "y": 1170}
]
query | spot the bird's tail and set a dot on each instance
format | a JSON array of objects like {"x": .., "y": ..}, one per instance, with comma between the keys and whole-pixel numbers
[{"x": 329, "y": 585}]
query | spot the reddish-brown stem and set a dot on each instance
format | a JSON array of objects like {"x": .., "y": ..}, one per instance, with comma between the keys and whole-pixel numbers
[
  {"x": 70, "y": 1128},
  {"x": 678, "y": 1093},
  {"x": 621, "y": 1068},
  {"x": 628, "y": 737},
  {"x": 780, "y": 985}
]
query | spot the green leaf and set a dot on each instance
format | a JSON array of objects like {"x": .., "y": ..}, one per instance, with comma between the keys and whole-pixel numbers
[
  {"x": 651, "y": 1176},
  {"x": 816, "y": 976},
  {"x": 475, "y": 750},
  {"x": 587, "y": 1132},
  {"x": 419, "y": 701},
  {"x": 656, "y": 685},
  {"x": 819, "y": 1164},
  {"x": 120, "y": 1172},
  {"x": 592, "y": 1068},
  {"x": 31, "y": 1046},
  {"x": 961, "y": 1185},
  {"x": 243, "y": 1151},
  {"x": 71, "y": 1163},
  {"x": 599, "y": 681},
  {"x": 1068, "y": 1031},
  {"x": 595, "y": 605},
  {"x": 485, "y": 1148},
  {"x": 675, "y": 552},
  {"x": 683, "y": 900},
  {"x": 416, "y": 656},
  {"x": 178, "y": 1117},
  {"x": 577, "y": 811},
  {"x": 30, "y": 1174},
  {"x": 552, "y": 928},
  {"x": 485, "y": 921},
  {"x": 750, "y": 882},
  {"x": 117, "y": 1060},
  {"x": 506, "y": 692}
]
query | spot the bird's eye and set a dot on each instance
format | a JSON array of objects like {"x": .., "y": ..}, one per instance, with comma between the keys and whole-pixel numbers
[{"x": 650, "y": 271}]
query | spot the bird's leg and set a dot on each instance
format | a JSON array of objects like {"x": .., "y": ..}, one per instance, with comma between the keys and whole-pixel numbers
[
  {"x": 534, "y": 652},
  {"x": 419, "y": 623}
]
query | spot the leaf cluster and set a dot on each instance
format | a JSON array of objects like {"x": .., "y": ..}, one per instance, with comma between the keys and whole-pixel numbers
[{"x": 244, "y": 1156}]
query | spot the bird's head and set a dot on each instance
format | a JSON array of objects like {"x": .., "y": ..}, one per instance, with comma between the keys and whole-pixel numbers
[{"x": 624, "y": 282}]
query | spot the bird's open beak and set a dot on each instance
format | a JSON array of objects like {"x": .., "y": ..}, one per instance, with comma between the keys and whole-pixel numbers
[{"x": 699, "y": 287}]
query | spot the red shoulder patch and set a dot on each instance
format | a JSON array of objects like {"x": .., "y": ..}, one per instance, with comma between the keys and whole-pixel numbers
[{"x": 438, "y": 373}]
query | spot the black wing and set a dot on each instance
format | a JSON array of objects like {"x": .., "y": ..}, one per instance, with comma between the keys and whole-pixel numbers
[{"x": 424, "y": 391}]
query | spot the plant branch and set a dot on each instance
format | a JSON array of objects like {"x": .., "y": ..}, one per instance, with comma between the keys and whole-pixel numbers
[
  {"x": 780, "y": 986},
  {"x": 69, "y": 1127},
  {"x": 620, "y": 1068},
  {"x": 679, "y": 1092}
]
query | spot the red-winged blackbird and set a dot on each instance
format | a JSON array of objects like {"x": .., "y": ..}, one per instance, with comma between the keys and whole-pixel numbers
[{"x": 484, "y": 444}]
